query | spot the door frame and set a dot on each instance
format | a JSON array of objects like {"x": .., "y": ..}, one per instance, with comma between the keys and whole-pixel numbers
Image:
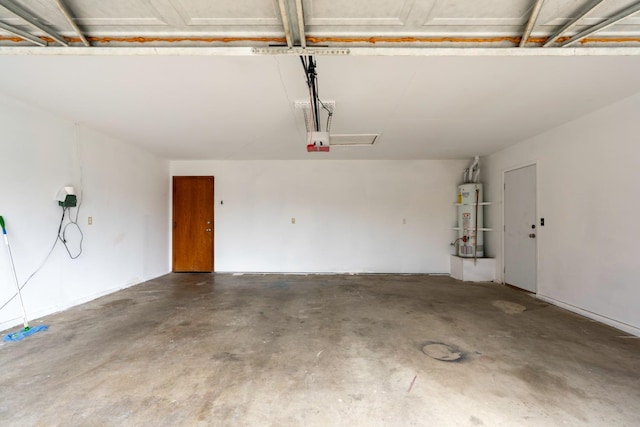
[{"x": 535, "y": 163}]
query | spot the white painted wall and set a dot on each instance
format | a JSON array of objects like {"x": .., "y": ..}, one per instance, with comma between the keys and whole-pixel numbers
[
  {"x": 125, "y": 190},
  {"x": 349, "y": 214},
  {"x": 588, "y": 180}
]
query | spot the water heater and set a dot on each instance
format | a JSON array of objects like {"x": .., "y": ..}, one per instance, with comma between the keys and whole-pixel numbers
[{"x": 470, "y": 239}]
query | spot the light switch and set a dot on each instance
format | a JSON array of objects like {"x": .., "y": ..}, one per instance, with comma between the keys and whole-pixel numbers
[{"x": 293, "y": 220}]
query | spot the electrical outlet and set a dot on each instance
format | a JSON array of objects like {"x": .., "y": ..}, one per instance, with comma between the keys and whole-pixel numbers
[
  {"x": 293, "y": 220},
  {"x": 90, "y": 220},
  {"x": 404, "y": 220}
]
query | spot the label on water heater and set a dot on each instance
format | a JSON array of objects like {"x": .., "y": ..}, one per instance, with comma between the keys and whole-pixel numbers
[{"x": 466, "y": 220}]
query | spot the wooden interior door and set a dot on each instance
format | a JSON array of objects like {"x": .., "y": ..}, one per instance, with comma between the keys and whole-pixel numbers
[{"x": 193, "y": 223}]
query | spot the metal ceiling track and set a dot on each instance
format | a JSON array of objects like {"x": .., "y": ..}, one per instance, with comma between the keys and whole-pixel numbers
[
  {"x": 572, "y": 23},
  {"x": 535, "y": 11},
  {"x": 67, "y": 14},
  {"x": 31, "y": 20},
  {"x": 301, "y": 34},
  {"x": 605, "y": 24},
  {"x": 293, "y": 23},
  {"x": 354, "y": 51},
  {"x": 537, "y": 6},
  {"x": 23, "y": 34}
]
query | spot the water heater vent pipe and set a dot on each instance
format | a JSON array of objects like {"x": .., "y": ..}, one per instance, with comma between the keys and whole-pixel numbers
[{"x": 472, "y": 173}]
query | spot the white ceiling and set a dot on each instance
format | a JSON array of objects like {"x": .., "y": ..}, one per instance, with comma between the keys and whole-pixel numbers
[
  {"x": 182, "y": 103},
  {"x": 221, "y": 107}
]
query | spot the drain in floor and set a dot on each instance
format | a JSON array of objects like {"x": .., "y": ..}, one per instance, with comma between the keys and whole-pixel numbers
[{"x": 441, "y": 351}]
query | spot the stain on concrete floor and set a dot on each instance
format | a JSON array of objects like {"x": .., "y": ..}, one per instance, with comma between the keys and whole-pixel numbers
[
  {"x": 509, "y": 307},
  {"x": 194, "y": 349},
  {"x": 443, "y": 352}
]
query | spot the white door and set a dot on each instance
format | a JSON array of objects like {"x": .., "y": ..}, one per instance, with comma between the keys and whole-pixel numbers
[{"x": 520, "y": 228}]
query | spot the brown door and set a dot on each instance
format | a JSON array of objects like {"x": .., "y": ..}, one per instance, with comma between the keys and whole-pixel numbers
[{"x": 193, "y": 223}]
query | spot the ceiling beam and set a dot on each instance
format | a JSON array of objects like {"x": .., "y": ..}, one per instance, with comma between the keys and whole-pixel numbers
[
  {"x": 26, "y": 16},
  {"x": 300, "y": 12},
  {"x": 67, "y": 14},
  {"x": 352, "y": 51},
  {"x": 604, "y": 24},
  {"x": 284, "y": 14},
  {"x": 535, "y": 11},
  {"x": 572, "y": 23},
  {"x": 23, "y": 34}
]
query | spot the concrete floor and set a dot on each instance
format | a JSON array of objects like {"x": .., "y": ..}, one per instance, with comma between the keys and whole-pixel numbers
[{"x": 260, "y": 350}]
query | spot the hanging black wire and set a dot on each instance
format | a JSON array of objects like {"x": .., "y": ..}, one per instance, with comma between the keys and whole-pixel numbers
[
  {"x": 309, "y": 66},
  {"x": 329, "y": 111},
  {"x": 63, "y": 237}
]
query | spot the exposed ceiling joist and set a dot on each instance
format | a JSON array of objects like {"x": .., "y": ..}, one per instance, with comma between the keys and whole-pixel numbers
[
  {"x": 22, "y": 34},
  {"x": 31, "y": 20},
  {"x": 293, "y": 23},
  {"x": 572, "y": 23},
  {"x": 67, "y": 14},
  {"x": 301, "y": 33},
  {"x": 284, "y": 14},
  {"x": 605, "y": 24},
  {"x": 535, "y": 11}
]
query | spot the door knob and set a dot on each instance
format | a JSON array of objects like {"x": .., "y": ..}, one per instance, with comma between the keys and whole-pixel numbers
[{"x": 532, "y": 236}]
